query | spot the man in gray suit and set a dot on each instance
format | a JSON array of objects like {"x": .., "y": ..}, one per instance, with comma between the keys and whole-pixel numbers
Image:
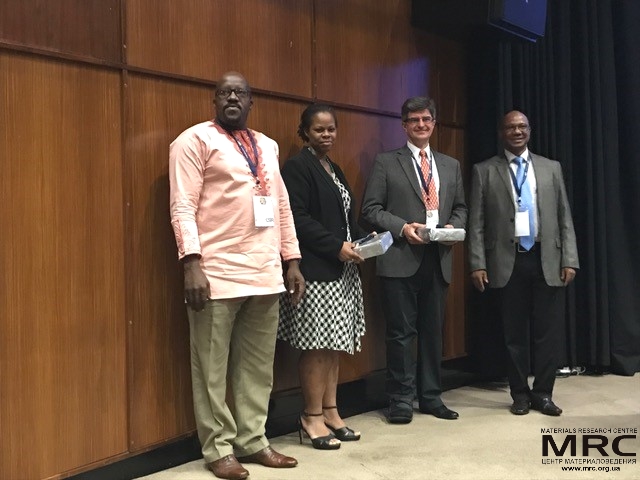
[
  {"x": 523, "y": 247},
  {"x": 411, "y": 188}
]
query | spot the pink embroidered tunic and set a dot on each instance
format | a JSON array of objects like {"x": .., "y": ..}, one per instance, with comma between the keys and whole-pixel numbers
[{"x": 211, "y": 199}]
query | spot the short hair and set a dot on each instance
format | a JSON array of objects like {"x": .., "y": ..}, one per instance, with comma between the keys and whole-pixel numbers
[
  {"x": 417, "y": 104},
  {"x": 504, "y": 117},
  {"x": 307, "y": 117}
]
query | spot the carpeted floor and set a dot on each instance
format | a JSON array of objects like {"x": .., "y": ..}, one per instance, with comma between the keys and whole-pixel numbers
[{"x": 486, "y": 443}]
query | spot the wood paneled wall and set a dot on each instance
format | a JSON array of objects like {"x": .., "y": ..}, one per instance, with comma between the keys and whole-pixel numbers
[
  {"x": 267, "y": 40},
  {"x": 94, "y": 355},
  {"x": 63, "y": 339},
  {"x": 89, "y": 29}
]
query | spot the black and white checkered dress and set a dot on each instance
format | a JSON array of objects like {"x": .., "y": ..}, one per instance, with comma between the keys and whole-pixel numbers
[{"x": 330, "y": 314}]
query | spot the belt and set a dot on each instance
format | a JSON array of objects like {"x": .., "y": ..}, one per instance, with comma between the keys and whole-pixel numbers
[{"x": 520, "y": 249}]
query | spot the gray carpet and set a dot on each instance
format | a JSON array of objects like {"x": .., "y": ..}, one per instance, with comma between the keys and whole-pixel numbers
[{"x": 486, "y": 443}]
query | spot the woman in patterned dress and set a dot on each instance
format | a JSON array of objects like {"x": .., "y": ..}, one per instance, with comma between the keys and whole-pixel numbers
[{"x": 330, "y": 316}]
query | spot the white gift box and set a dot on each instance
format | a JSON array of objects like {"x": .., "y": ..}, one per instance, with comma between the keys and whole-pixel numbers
[
  {"x": 442, "y": 234},
  {"x": 373, "y": 245}
]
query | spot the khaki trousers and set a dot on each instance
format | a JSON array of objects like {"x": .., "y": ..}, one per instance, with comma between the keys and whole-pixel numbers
[{"x": 235, "y": 339}]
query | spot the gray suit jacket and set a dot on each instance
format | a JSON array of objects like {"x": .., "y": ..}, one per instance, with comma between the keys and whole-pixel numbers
[
  {"x": 491, "y": 239},
  {"x": 393, "y": 197}
]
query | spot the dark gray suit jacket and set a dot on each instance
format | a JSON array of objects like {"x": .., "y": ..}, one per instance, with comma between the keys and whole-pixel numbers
[
  {"x": 491, "y": 239},
  {"x": 393, "y": 197}
]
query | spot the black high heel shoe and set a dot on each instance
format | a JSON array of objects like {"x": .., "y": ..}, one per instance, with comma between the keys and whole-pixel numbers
[
  {"x": 344, "y": 434},
  {"x": 319, "y": 443}
]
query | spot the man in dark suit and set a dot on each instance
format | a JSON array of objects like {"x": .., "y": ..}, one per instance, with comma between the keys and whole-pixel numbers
[
  {"x": 411, "y": 188},
  {"x": 522, "y": 245}
]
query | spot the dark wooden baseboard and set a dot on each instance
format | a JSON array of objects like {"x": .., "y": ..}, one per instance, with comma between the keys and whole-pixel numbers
[{"x": 354, "y": 398}]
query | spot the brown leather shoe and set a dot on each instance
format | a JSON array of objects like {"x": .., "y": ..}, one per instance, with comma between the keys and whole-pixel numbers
[
  {"x": 269, "y": 458},
  {"x": 228, "y": 468}
]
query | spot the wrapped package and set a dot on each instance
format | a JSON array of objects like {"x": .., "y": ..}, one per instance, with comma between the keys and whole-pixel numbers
[
  {"x": 441, "y": 234},
  {"x": 373, "y": 245}
]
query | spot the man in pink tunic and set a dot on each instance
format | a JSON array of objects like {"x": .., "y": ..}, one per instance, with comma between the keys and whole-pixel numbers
[{"x": 234, "y": 230}]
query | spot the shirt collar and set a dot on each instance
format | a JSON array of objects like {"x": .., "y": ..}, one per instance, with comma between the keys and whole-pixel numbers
[
  {"x": 416, "y": 151},
  {"x": 510, "y": 156}
]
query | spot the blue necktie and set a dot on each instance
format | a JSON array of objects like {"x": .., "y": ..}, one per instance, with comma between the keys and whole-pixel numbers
[{"x": 526, "y": 203}]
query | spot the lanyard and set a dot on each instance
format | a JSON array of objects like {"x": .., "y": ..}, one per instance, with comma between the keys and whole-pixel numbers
[
  {"x": 253, "y": 166},
  {"x": 425, "y": 185},
  {"x": 515, "y": 181}
]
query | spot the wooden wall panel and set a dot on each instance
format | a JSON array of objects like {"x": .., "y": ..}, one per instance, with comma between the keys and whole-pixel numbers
[
  {"x": 160, "y": 383},
  {"x": 451, "y": 74},
  {"x": 369, "y": 55},
  {"x": 451, "y": 141},
  {"x": 454, "y": 334},
  {"x": 268, "y": 41},
  {"x": 85, "y": 27},
  {"x": 62, "y": 340},
  {"x": 278, "y": 119}
]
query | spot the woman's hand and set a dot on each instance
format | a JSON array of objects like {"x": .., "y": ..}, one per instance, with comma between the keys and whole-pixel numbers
[{"x": 347, "y": 254}]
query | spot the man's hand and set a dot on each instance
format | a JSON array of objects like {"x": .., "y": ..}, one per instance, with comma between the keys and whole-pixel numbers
[
  {"x": 567, "y": 274},
  {"x": 409, "y": 231},
  {"x": 196, "y": 285},
  {"x": 479, "y": 279},
  {"x": 294, "y": 281},
  {"x": 448, "y": 225}
]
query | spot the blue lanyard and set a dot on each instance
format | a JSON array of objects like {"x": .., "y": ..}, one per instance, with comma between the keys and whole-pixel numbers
[
  {"x": 253, "y": 166},
  {"x": 515, "y": 181},
  {"x": 425, "y": 185}
]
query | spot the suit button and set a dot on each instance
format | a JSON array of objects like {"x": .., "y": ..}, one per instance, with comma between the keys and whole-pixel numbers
[
  {"x": 512, "y": 220},
  {"x": 512, "y": 241}
]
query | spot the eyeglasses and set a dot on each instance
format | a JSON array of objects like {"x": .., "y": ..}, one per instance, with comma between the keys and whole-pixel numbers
[
  {"x": 521, "y": 126},
  {"x": 416, "y": 120},
  {"x": 226, "y": 92}
]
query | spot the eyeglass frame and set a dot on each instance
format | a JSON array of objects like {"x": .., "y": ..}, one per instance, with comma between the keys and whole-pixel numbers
[
  {"x": 521, "y": 126},
  {"x": 417, "y": 120},
  {"x": 239, "y": 92}
]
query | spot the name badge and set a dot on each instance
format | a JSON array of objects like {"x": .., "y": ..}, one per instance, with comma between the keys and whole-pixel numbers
[
  {"x": 432, "y": 218},
  {"x": 263, "y": 211},
  {"x": 522, "y": 223}
]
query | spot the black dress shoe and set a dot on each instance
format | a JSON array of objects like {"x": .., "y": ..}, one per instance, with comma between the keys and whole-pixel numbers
[
  {"x": 520, "y": 406},
  {"x": 441, "y": 412},
  {"x": 344, "y": 434},
  {"x": 400, "y": 412},
  {"x": 546, "y": 406},
  {"x": 324, "y": 442}
]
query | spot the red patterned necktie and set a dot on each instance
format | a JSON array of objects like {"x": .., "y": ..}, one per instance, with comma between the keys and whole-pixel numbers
[{"x": 430, "y": 197}]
